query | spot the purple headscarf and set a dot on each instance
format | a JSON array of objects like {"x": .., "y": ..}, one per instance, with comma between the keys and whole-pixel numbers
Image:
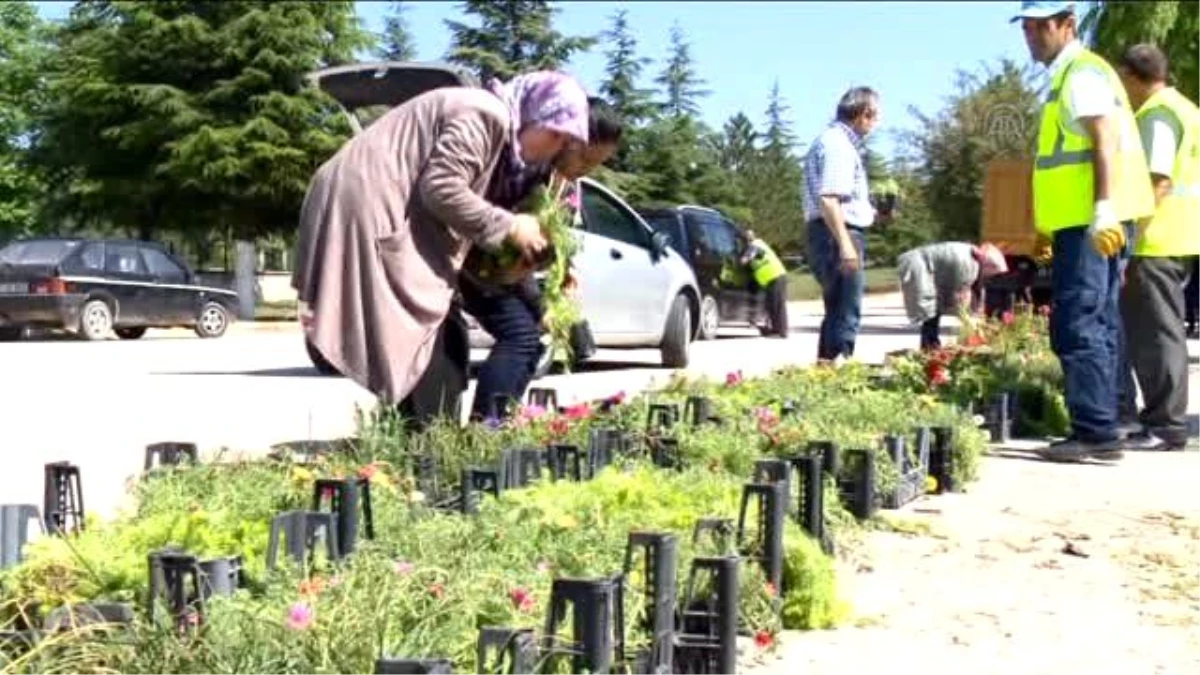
[{"x": 542, "y": 98}]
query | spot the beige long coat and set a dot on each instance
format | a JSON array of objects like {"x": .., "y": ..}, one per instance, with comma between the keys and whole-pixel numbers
[{"x": 385, "y": 226}]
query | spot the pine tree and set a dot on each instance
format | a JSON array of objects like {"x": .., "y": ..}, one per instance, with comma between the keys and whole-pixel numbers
[
  {"x": 682, "y": 85},
  {"x": 779, "y": 141},
  {"x": 737, "y": 143},
  {"x": 397, "y": 39},
  {"x": 513, "y": 36},
  {"x": 624, "y": 68}
]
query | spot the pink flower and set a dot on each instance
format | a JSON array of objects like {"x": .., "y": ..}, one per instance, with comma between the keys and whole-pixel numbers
[
  {"x": 1007, "y": 318},
  {"x": 733, "y": 379},
  {"x": 617, "y": 398},
  {"x": 763, "y": 639},
  {"x": 402, "y": 568},
  {"x": 522, "y": 599},
  {"x": 578, "y": 411},
  {"x": 367, "y": 471},
  {"x": 543, "y": 567},
  {"x": 300, "y": 616},
  {"x": 572, "y": 199},
  {"x": 531, "y": 412}
]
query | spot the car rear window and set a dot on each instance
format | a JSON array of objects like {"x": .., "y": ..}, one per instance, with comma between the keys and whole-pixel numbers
[{"x": 36, "y": 252}]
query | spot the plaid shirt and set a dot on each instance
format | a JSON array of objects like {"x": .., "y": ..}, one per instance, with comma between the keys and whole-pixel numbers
[{"x": 834, "y": 166}]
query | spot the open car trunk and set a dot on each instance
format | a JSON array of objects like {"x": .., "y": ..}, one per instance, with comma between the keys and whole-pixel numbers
[{"x": 366, "y": 90}]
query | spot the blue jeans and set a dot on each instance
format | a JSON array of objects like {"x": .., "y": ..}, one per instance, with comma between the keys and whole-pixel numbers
[
  {"x": 1085, "y": 333},
  {"x": 842, "y": 291},
  {"x": 514, "y": 324}
]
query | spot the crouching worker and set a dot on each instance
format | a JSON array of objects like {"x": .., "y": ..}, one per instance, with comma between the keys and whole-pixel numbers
[
  {"x": 939, "y": 278},
  {"x": 770, "y": 275}
]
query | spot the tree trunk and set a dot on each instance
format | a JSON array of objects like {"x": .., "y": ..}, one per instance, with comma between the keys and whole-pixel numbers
[{"x": 244, "y": 279}]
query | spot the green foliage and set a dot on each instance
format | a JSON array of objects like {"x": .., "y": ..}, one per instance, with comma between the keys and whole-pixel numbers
[
  {"x": 397, "y": 39},
  {"x": 513, "y": 36},
  {"x": 682, "y": 85},
  {"x": 187, "y": 115},
  {"x": 994, "y": 116},
  {"x": 1173, "y": 25},
  {"x": 23, "y": 53}
]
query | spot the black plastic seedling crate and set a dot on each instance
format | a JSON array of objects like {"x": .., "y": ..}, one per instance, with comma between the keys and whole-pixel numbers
[
  {"x": 394, "y": 666},
  {"x": 62, "y": 504},
  {"x": 941, "y": 460},
  {"x": 345, "y": 496},
  {"x": 911, "y": 471},
  {"x": 856, "y": 484},
  {"x": 506, "y": 650},
  {"x": 170, "y": 454},
  {"x": 707, "y": 640}
]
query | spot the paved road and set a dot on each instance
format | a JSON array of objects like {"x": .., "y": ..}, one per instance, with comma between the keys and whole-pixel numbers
[{"x": 99, "y": 404}]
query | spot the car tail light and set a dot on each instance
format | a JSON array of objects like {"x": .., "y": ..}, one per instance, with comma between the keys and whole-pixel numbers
[{"x": 50, "y": 287}]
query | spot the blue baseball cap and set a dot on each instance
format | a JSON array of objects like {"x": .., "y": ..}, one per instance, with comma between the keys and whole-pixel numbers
[{"x": 1042, "y": 9}]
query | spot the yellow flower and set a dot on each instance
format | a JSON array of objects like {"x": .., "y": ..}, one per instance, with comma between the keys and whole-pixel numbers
[
  {"x": 931, "y": 484},
  {"x": 302, "y": 475}
]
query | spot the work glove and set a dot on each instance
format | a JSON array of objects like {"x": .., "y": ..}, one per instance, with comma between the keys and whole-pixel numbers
[
  {"x": 1043, "y": 251},
  {"x": 1107, "y": 233}
]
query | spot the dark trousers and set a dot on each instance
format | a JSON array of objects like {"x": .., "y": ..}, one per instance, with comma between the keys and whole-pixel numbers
[
  {"x": 931, "y": 332},
  {"x": 777, "y": 306},
  {"x": 1085, "y": 328},
  {"x": 1191, "y": 293},
  {"x": 841, "y": 291},
  {"x": 439, "y": 391},
  {"x": 1153, "y": 314},
  {"x": 515, "y": 325}
]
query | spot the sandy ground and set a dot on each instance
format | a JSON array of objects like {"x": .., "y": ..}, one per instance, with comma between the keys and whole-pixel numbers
[{"x": 1040, "y": 568}]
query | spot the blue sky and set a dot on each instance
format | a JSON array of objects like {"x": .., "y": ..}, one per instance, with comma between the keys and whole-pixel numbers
[{"x": 908, "y": 51}]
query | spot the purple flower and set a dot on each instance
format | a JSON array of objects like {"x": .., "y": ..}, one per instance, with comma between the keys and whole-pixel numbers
[{"x": 300, "y": 616}]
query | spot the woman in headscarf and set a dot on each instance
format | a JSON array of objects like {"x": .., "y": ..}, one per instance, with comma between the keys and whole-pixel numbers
[
  {"x": 512, "y": 313},
  {"x": 389, "y": 219},
  {"x": 939, "y": 278}
]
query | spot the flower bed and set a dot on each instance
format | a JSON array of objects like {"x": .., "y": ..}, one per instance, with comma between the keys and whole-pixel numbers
[
  {"x": 1006, "y": 355},
  {"x": 430, "y": 580}
]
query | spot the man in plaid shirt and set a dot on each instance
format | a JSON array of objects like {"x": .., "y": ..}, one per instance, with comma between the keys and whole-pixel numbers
[{"x": 838, "y": 210}]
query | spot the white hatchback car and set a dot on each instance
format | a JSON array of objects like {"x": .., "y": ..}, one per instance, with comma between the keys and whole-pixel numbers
[{"x": 636, "y": 290}]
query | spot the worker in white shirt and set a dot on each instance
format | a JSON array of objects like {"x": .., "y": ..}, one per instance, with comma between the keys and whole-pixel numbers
[{"x": 1090, "y": 184}]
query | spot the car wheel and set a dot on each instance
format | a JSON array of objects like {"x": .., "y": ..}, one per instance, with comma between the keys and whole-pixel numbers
[
  {"x": 318, "y": 360},
  {"x": 96, "y": 320},
  {"x": 11, "y": 333},
  {"x": 677, "y": 334},
  {"x": 131, "y": 333},
  {"x": 710, "y": 318},
  {"x": 213, "y": 320}
]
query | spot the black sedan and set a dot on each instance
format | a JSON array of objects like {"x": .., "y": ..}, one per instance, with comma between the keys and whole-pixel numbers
[{"x": 98, "y": 286}]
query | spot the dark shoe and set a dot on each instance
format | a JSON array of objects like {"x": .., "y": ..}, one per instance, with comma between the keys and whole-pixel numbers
[
  {"x": 1146, "y": 441},
  {"x": 1127, "y": 428},
  {"x": 1075, "y": 450}
]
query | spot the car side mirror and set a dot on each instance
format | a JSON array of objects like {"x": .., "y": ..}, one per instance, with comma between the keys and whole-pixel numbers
[{"x": 659, "y": 241}]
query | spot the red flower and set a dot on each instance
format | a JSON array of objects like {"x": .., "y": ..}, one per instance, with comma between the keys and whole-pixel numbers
[
  {"x": 1007, "y": 318},
  {"x": 976, "y": 340},
  {"x": 438, "y": 591},
  {"x": 367, "y": 471},
  {"x": 522, "y": 599},
  {"x": 763, "y": 639},
  {"x": 617, "y": 398},
  {"x": 938, "y": 375},
  {"x": 559, "y": 427}
]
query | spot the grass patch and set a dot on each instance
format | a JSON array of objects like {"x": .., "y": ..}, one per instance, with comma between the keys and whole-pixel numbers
[
  {"x": 803, "y": 286},
  {"x": 280, "y": 310}
]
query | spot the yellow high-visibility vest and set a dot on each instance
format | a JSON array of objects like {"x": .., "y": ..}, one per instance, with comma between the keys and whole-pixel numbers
[
  {"x": 765, "y": 265},
  {"x": 1174, "y": 229},
  {"x": 1063, "y": 178}
]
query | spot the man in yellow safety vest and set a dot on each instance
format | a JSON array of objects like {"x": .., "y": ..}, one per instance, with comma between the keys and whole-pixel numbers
[
  {"x": 770, "y": 275},
  {"x": 1152, "y": 300},
  {"x": 1090, "y": 183}
]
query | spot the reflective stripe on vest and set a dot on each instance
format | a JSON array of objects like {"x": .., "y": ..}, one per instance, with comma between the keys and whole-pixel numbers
[
  {"x": 1063, "y": 176},
  {"x": 1174, "y": 230}
]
